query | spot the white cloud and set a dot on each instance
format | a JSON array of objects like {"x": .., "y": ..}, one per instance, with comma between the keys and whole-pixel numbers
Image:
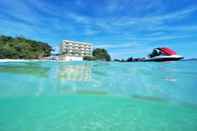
[
  {"x": 78, "y": 18},
  {"x": 187, "y": 28},
  {"x": 118, "y": 46},
  {"x": 153, "y": 21},
  {"x": 166, "y": 37},
  {"x": 114, "y": 5}
]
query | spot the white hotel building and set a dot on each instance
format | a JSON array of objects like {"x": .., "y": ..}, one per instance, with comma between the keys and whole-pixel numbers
[{"x": 74, "y": 51}]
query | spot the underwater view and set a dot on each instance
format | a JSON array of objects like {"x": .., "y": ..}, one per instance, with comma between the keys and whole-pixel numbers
[{"x": 95, "y": 96}]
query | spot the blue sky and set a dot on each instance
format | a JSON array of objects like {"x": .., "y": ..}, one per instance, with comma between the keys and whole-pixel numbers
[{"x": 124, "y": 27}]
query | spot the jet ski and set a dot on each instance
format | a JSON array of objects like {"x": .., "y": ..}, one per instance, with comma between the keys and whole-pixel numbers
[{"x": 163, "y": 54}]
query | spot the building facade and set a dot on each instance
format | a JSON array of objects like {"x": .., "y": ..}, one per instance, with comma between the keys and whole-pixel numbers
[{"x": 75, "y": 51}]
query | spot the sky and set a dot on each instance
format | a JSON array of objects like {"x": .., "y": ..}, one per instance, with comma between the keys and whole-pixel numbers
[{"x": 124, "y": 27}]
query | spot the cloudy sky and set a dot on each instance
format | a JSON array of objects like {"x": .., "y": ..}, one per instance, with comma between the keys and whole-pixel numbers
[{"x": 124, "y": 27}]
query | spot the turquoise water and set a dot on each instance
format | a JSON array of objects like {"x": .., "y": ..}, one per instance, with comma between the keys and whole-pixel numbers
[{"x": 98, "y": 96}]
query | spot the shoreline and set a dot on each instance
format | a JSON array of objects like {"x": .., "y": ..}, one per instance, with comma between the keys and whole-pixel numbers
[
  {"x": 30, "y": 60},
  {"x": 21, "y": 60}
]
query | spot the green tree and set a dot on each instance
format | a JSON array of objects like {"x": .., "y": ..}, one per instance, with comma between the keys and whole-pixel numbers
[{"x": 101, "y": 54}]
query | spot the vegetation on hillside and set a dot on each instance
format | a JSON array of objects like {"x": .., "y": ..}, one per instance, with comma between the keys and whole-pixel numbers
[
  {"x": 99, "y": 54},
  {"x": 22, "y": 48}
]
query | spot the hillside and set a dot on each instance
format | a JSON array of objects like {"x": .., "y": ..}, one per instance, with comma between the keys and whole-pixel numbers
[{"x": 22, "y": 48}]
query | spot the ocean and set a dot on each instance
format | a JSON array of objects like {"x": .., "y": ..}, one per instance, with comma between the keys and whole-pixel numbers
[{"x": 98, "y": 96}]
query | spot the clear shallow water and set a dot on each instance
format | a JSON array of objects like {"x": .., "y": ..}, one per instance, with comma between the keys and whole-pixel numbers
[{"x": 37, "y": 96}]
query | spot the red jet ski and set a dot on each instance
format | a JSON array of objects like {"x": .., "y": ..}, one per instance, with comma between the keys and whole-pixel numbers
[{"x": 163, "y": 54}]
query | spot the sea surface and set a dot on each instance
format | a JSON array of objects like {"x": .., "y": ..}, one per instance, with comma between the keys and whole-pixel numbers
[{"x": 98, "y": 96}]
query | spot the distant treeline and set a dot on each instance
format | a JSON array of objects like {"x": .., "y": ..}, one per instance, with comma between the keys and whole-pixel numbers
[
  {"x": 22, "y": 48},
  {"x": 130, "y": 59}
]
